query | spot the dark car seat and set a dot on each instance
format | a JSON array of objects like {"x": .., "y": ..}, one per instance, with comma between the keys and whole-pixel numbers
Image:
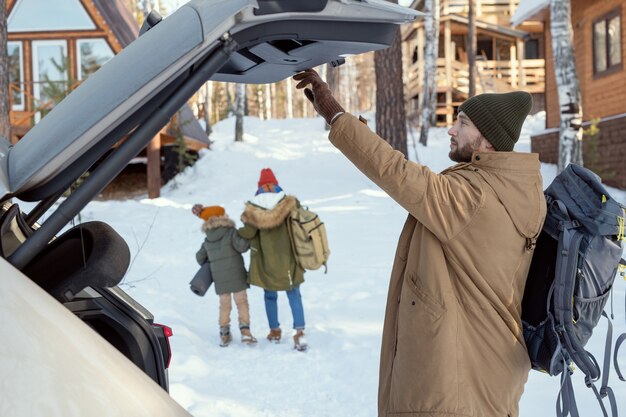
[{"x": 90, "y": 254}]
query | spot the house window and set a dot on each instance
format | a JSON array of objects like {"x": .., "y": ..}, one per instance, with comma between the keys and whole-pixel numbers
[
  {"x": 531, "y": 49},
  {"x": 50, "y": 74},
  {"x": 607, "y": 43},
  {"x": 92, "y": 54},
  {"x": 16, "y": 74}
]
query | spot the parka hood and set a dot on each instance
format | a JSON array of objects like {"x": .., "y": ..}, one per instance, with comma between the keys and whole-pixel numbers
[
  {"x": 216, "y": 227},
  {"x": 511, "y": 175},
  {"x": 262, "y": 218}
]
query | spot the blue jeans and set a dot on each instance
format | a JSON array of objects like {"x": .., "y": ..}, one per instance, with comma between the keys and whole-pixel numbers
[{"x": 295, "y": 302}]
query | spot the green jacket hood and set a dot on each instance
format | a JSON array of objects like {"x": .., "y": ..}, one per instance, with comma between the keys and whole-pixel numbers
[{"x": 216, "y": 227}]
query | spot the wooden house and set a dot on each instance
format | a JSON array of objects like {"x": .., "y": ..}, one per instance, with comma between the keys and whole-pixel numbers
[
  {"x": 507, "y": 59},
  {"x": 599, "y": 52},
  {"x": 54, "y": 45}
]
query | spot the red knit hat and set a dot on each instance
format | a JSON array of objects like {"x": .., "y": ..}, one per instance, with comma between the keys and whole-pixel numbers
[{"x": 267, "y": 177}]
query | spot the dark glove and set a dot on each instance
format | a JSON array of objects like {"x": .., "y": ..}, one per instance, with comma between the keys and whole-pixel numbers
[
  {"x": 197, "y": 209},
  {"x": 319, "y": 94}
]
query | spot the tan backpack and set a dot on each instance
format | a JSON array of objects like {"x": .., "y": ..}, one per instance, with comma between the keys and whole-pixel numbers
[{"x": 308, "y": 239}]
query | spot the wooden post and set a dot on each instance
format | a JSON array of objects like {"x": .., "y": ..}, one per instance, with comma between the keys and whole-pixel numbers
[
  {"x": 513, "y": 65},
  {"x": 449, "y": 55},
  {"x": 520, "y": 63},
  {"x": 153, "y": 151}
]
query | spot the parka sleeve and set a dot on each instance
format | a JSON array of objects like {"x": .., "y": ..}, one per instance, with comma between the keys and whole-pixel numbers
[
  {"x": 201, "y": 255},
  {"x": 239, "y": 243},
  {"x": 444, "y": 204},
  {"x": 247, "y": 231}
]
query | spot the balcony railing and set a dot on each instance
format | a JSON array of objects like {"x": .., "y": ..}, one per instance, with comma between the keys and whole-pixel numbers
[{"x": 492, "y": 76}]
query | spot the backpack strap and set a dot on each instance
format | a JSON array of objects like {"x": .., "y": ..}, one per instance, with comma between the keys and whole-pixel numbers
[
  {"x": 605, "y": 390},
  {"x": 566, "y": 266},
  {"x": 566, "y": 401},
  {"x": 622, "y": 337},
  {"x": 618, "y": 344}
]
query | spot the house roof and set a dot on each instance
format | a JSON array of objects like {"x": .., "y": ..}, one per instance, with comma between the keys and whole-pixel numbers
[
  {"x": 120, "y": 20},
  {"x": 191, "y": 127},
  {"x": 485, "y": 26},
  {"x": 488, "y": 27},
  {"x": 527, "y": 9}
]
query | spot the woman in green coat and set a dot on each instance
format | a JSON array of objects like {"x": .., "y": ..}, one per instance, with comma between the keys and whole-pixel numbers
[
  {"x": 222, "y": 248},
  {"x": 273, "y": 265}
]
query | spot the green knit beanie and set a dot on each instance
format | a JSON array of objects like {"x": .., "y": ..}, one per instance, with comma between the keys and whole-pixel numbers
[{"x": 499, "y": 117}]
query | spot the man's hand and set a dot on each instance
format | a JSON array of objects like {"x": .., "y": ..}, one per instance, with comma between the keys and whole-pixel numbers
[
  {"x": 319, "y": 94},
  {"x": 197, "y": 209}
]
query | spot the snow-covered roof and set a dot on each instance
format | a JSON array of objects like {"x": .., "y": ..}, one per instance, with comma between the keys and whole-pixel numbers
[{"x": 526, "y": 9}]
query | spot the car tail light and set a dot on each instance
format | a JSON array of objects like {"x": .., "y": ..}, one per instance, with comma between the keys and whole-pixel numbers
[{"x": 167, "y": 354}]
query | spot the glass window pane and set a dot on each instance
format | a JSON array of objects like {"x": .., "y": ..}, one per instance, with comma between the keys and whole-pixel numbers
[
  {"x": 51, "y": 74},
  {"x": 92, "y": 54},
  {"x": 599, "y": 45},
  {"x": 615, "y": 41},
  {"x": 40, "y": 15},
  {"x": 14, "y": 50}
]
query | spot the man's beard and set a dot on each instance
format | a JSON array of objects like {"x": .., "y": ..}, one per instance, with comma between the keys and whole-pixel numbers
[{"x": 464, "y": 154}]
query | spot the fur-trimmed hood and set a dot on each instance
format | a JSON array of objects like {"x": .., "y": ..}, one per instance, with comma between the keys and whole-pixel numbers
[
  {"x": 217, "y": 221},
  {"x": 268, "y": 218}
]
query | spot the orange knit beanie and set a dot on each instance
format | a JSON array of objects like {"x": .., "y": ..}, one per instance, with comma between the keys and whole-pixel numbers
[{"x": 212, "y": 211}]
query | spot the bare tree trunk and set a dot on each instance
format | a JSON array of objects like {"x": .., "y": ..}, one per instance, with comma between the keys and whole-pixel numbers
[
  {"x": 230, "y": 108},
  {"x": 240, "y": 98},
  {"x": 289, "y": 99},
  {"x": 208, "y": 92},
  {"x": 260, "y": 102},
  {"x": 471, "y": 48},
  {"x": 390, "y": 110},
  {"x": 268, "y": 101},
  {"x": 5, "y": 102},
  {"x": 429, "y": 90},
  {"x": 333, "y": 78},
  {"x": 570, "y": 132}
]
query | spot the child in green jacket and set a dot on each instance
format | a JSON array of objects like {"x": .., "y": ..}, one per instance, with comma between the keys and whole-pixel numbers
[{"x": 223, "y": 247}]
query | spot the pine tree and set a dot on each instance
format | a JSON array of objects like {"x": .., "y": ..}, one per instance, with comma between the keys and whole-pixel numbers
[{"x": 390, "y": 109}]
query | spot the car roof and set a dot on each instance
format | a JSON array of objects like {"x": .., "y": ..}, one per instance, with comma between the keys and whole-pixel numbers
[{"x": 274, "y": 39}]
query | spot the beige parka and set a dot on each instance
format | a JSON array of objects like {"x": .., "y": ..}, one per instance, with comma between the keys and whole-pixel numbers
[{"x": 452, "y": 340}]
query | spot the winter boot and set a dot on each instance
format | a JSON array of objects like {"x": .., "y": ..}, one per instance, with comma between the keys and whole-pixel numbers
[
  {"x": 274, "y": 335},
  {"x": 299, "y": 341},
  {"x": 225, "y": 336},
  {"x": 246, "y": 336}
]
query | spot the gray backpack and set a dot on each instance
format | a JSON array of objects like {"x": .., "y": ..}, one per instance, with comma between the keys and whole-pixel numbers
[{"x": 576, "y": 260}]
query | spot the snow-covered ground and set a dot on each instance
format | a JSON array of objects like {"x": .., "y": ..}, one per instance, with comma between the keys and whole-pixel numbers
[{"x": 344, "y": 309}]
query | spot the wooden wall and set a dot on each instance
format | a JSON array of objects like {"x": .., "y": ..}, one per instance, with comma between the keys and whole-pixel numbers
[{"x": 602, "y": 95}]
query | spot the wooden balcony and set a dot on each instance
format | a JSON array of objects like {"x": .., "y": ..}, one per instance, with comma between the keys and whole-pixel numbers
[{"x": 491, "y": 77}]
